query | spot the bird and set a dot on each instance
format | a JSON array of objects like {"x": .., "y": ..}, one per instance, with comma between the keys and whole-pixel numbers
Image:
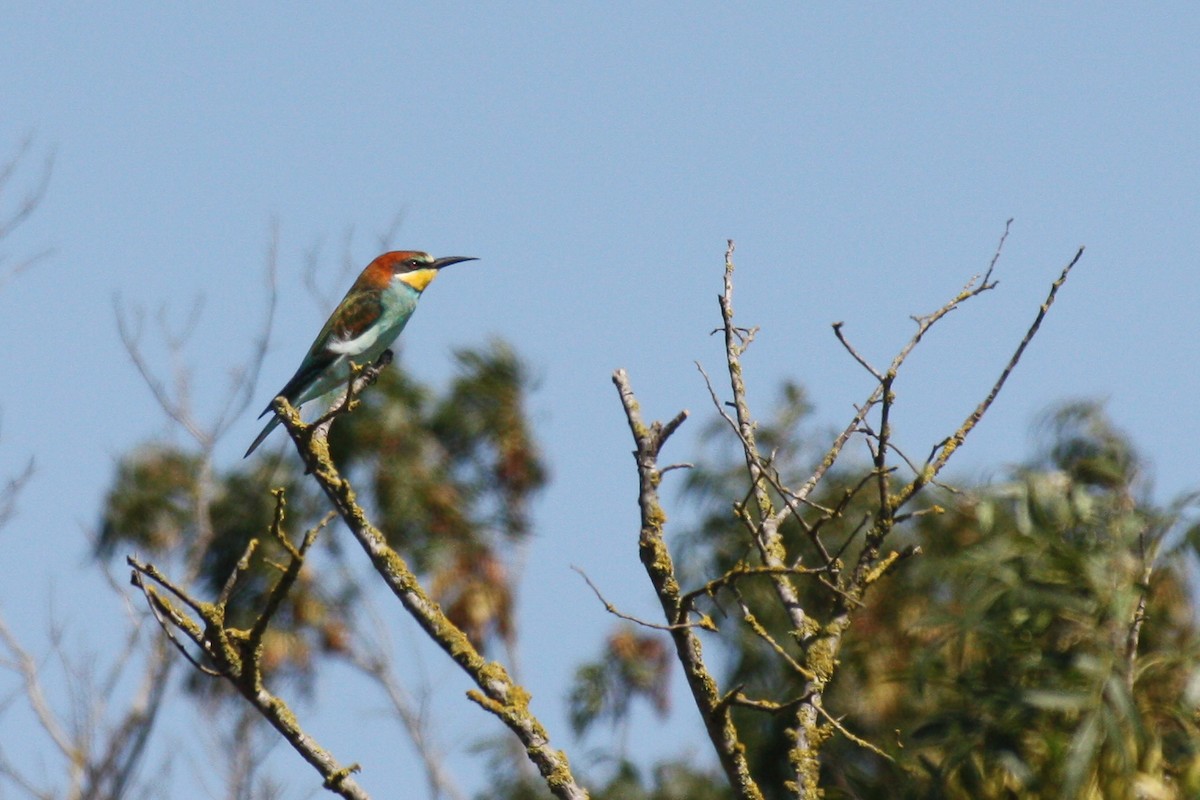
[{"x": 364, "y": 324}]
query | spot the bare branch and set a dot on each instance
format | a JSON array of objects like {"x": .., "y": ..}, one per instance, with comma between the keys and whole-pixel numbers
[
  {"x": 959, "y": 436},
  {"x": 656, "y": 558},
  {"x": 999, "y": 248},
  {"x": 115, "y": 771},
  {"x": 33, "y": 196},
  {"x": 244, "y": 379},
  {"x": 837, "y": 331},
  {"x": 804, "y": 734},
  {"x": 736, "y": 573},
  {"x": 25, "y": 666},
  {"x": 973, "y": 288},
  {"x": 236, "y": 655},
  {"x": 176, "y": 401},
  {"x": 385, "y": 238},
  {"x": 765, "y": 635},
  {"x": 129, "y": 328},
  {"x": 704, "y": 622},
  {"x": 858, "y": 740},
  {"x": 839, "y": 509},
  {"x": 23, "y": 207},
  {"x": 769, "y": 541},
  {"x": 813, "y": 652},
  {"x": 373, "y": 663},
  {"x": 10, "y": 492},
  {"x": 498, "y": 693}
]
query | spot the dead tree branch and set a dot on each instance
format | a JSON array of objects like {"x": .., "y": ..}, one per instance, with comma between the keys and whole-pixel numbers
[
  {"x": 657, "y": 560},
  {"x": 816, "y": 633},
  {"x": 235, "y": 653},
  {"x": 497, "y": 692}
]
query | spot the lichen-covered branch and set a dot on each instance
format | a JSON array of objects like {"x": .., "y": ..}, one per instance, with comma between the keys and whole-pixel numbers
[
  {"x": 498, "y": 692},
  {"x": 816, "y": 633},
  {"x": 235, "y": 654},
  {"x": 652, "y": 548},
  {"x": 959, "y": 436},
  {"x": 768, "y": 540},
  {"x": 805, "y": 734}
]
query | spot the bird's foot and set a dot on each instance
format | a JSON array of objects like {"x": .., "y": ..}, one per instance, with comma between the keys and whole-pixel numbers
[{"x": 371, "y": 373}]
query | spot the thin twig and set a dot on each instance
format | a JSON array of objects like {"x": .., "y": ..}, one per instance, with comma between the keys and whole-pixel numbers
[
  {"x": 837, "y": 331},
  {"x": 765, "y": 635},
  {"x": 852, "y": 737},
  {"x": 736, "y": 573},
  {"x": 999, "y": 248},
  {"x": 244, "y": 379},
  {"x": 11, "y": 491},
  {"x": 129, "y": 328},
  {"x": 959, "y": 436},
  {"x": 924, "y": 323},
  {"x": 704, "y": 622},
  {"x": 379, "y": 669},
  {"x": 27, "y": 668}
]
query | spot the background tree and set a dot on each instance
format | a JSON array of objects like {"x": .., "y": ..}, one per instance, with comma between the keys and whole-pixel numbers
[
  {"x": 457, "y": 468},
  {"x": 1042, "y": 645},
  {"x": 1028, "y": 638}
]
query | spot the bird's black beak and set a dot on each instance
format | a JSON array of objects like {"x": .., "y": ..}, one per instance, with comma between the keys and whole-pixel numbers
[{"x": 448, "y": 260}]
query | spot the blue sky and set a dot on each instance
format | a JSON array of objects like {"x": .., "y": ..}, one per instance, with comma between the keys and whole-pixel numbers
[{"x": 595, "y": 157}]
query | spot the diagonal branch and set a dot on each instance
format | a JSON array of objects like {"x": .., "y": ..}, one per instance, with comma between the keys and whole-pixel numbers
[
  {"x": 498, "y": 692},
  {"x": 704, "y": 622},
  {"x": 27, "y": 668},
  {"x": 805, "y": 735},
  {"x": 236, "y": 656},
  {"x": 959, "y": 436},
  {"x": 769, "y": 541}
]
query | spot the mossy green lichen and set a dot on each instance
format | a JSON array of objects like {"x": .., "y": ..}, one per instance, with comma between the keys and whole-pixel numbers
[
  {"x": 822, "y": 657},
  {"x": 655, "y": 518},
  {"x": 808, "y": 629},
  {"x": 336, "y": 778}
]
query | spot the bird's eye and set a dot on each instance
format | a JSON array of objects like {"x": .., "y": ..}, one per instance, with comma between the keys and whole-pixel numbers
[{"x": 413, "y": 263}]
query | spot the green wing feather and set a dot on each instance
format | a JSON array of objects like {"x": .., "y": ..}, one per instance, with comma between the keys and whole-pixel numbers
[{"x": 357, "y": 312}]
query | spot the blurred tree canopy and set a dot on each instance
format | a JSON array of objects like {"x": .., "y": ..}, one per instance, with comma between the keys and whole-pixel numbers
[
  {"x": 1042, "y": 644},
  {"x": 451, "y": 475}
]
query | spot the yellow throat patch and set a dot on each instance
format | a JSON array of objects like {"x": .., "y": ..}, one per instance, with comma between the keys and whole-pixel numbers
[{"x": 418, "y": 278}]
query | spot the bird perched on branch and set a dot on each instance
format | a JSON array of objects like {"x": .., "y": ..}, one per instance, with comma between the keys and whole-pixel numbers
[{"x": 364, "y": 324}]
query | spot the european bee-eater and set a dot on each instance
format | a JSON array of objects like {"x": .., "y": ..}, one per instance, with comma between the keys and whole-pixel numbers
[{"x": 364, "y": 324}]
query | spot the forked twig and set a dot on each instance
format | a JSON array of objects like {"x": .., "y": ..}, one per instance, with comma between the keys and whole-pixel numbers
[
  {"x": 236, "y": 653},
  {"x": 959, "y": 436}
]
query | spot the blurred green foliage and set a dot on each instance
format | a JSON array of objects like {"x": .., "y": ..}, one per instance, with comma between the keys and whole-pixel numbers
[
  {"x": 634, "y": 664},
  {"x": 995, "y": 664},
  {"x": 449, "y": 474}
]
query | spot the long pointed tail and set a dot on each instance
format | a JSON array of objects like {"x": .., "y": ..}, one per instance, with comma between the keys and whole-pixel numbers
[{"x": 266, "y": 431}]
